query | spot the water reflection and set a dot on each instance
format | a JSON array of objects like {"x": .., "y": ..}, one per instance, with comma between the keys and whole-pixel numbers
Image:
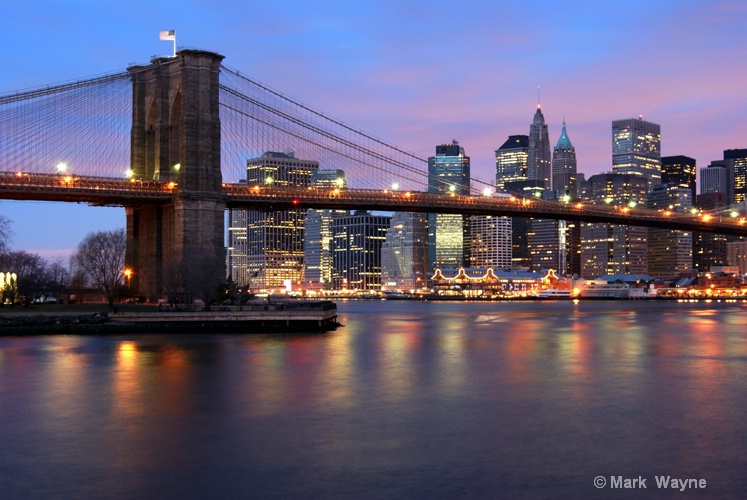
[{"x": 408, "y": 399}]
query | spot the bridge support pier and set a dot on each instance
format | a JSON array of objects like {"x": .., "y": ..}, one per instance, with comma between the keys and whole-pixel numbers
[{"x": 177, "y": 248}]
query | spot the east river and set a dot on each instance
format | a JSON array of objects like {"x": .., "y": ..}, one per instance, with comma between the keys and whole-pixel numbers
[{"x": 407, "y": 400}]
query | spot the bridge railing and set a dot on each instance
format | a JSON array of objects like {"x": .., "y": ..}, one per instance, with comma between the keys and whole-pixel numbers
[
  {"x": 516, "y": 206},
  {"x": 64, "y": 187}
]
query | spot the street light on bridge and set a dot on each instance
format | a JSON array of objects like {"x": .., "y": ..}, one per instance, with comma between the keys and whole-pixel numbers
[{"x": 61, "y": 167}]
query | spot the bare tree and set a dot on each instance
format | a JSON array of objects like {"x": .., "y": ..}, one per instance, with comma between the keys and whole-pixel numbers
[
  {"x": 31, "y": 272},
  {"x": 101, "y": 258},
  {"x": 5, "y": 233}
]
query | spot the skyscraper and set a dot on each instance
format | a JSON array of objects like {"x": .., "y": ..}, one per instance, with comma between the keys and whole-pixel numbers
[
  {"x": 511, "y": 161},
  {"x": 709, "y": 249},
  {"x": 538, "y": 154},
  {"x": 564, "y": 167},
  {"x": 358, "y": 239},
  {"x": 275, "y": 248},
  {"x": 236, "y": 248},
  {"x": 491, "y": 242},
  {"x": 680, "y": 171},
  {"x": 636, "y": 149},
  {"x": 714, "y": 179},
  {"x": 448, "y": 234},
  {"x": 318, "y": 258},
  {"x": 404, "y": 254},
  {"x": 613, "y": 248},
  {"x": 670, "y": 252},
  {"x": 736, "y": 161}
]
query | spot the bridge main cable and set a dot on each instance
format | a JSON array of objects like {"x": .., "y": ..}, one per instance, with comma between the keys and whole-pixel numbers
[{"x": 63, "y": 87}]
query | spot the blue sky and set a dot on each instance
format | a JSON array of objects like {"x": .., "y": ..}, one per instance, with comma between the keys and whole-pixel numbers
[{"x": 413, "y": 73}]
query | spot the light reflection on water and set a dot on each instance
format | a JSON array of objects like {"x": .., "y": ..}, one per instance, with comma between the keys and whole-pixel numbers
[{"x": 408, "y": 399}]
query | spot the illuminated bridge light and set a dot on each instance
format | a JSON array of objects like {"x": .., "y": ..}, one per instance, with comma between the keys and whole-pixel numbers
[{"x": 706, "y": 218}]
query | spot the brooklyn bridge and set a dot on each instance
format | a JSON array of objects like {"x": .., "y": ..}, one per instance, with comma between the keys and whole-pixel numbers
[{"x": 169, "y": 142}]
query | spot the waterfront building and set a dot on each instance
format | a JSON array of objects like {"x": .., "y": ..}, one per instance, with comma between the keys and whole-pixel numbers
[
  {"x": 404, "y": 253},
  {"x": 538, "y": 153},
  {"x": 318, "y": 233},
  {"x": 511, "y": 161},
  {"x": 680, "y": 171},
  {"x": 636, "y": 149},
  {"x": 485, "y": 282},
  {"x": 275, "y": 240},
  {"x": 613, "y": 248},
  {"x": 709, "y": 249},
  {"x": 448, "y": 234},
  {"x": 670, "y": 252},
  {"x": 564, "y": 166},
  {"x": 737, "y": 255},
  {"x": 491, "y": 242},
  {"x": 357, "y": 242}
]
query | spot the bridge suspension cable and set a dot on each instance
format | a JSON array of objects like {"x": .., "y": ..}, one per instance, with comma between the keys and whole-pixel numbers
[
  {"x": 282, "y": 124},
  {"x": 81, "y": 126}
]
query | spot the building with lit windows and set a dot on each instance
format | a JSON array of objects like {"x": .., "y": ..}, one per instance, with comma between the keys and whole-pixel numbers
[
  {"x": 448, "y": 234},
  {"x": 236, "y": 248},
  {"x": 564, "y": 166},
  {"x": 554, "y": 244},
  {"x": 404, "y": 253},
  {"x": 275, "y": 240},
  {"x": 736, "y": 162},
  {"x": 737, "y": 255},
  {"x": 511, "y": 161},
  {"x": 490, "y": 242},
  {"x": 679, "y": 171},
  {"x": 709, "y": 249},
  {"x": 670, "y": 252},
  {"x": 520, "y": 254},
  {"x": 318, "y": 258},
  {"x": 538, "y": 154},
  {"x": 357, "y": 242},
  {"x": 613, "y": 248},
  {"x": 486, "y": 282},
  {"x": 715, "y": 179},
  {"x": 636, "y": 149}
]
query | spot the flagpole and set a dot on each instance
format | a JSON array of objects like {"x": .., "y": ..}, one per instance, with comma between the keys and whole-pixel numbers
[{"x": 174, "y": 44}]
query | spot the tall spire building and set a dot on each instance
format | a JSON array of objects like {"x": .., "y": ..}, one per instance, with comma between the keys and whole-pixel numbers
[
  {"x": 564, "y": 167},
  {"x": 538, "y": 155}
]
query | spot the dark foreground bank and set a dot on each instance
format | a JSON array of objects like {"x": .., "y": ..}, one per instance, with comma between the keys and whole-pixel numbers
[{"x": 290, "y": 317}]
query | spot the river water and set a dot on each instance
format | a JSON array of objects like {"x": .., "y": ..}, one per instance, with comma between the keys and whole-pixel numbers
[{"x": 407, "y": 400}]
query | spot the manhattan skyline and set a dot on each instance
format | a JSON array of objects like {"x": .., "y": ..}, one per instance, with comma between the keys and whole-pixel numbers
[{"x": 414, "y": 74}]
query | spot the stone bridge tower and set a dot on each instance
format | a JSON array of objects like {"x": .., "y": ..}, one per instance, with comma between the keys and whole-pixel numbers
[{"x": 175, "y": 137}]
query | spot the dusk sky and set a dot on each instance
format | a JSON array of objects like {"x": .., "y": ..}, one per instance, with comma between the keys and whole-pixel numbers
[{"x": 412, "y": 73}]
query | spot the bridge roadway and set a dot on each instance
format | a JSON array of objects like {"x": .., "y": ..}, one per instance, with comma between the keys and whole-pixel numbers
[{"x": 131, "y": 192}]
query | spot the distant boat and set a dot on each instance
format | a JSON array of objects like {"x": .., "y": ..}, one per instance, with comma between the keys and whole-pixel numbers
[
  {"x": 552, "y": 293},
  {"x": 605, "y": 291}
]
